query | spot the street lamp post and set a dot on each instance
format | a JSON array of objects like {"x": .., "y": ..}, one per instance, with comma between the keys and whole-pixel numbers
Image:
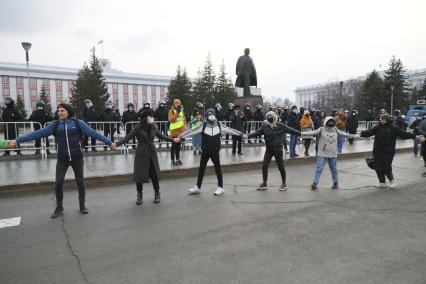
[
  {"x": 341, "y": 92},
  {"x": 27, "y": 46},
  {"x": 392, "y": 87}
]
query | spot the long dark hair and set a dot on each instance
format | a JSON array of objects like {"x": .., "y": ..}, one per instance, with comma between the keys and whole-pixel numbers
[{"x": 144, "y": 124}]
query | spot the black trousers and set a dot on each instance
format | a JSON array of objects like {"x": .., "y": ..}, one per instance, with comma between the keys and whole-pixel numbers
[
  {"x": 154, "y": 179},
  {"x": 11, "y": 132},
  {"x": 61, "y": 169},
  {"x": 383, "y": 167},
  {"x": 109, "y": 133},
  {"x": 175, "y": 151},
  {"x": 235, "y": 140},
  {"x": 279, "y": 160},
  {"x": 214, "y": 156},
  {"x": 128, "y": 130},
  {"x": 351, "y": 140},
  {"x": 258, "y": 126}
]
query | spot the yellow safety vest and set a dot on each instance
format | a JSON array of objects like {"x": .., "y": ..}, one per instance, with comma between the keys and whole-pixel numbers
[
  {"x": 179, "y": 121},
  {"x": 196, "y": 124}
]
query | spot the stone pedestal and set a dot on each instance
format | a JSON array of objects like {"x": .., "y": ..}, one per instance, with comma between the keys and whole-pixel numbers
[{"x": 252, "y": 100}]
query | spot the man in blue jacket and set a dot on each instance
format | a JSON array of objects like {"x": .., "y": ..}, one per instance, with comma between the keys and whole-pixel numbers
[{"x": 68, "y": 132}]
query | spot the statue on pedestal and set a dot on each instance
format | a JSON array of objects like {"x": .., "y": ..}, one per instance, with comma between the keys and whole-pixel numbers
[{"x": 246, "y": 73}]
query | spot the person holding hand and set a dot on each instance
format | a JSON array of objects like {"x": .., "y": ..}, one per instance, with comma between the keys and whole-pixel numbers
[
  {"x": 146, "y": 164},
  {"x": 68, "y": 132}
]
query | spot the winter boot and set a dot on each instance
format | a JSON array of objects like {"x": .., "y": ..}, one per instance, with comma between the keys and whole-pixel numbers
[{"x": 157, "y": 196}]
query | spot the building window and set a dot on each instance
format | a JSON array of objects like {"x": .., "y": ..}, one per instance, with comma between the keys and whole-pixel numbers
[
  {"x": 6, "y": 92},
  {"x": 19, "y": 81},
  {"x": 58, "y": 83},
  {"x": 33, "y": 82},
  {"x": 20, "y": 92},
  {"x": 5, "y": 80}
]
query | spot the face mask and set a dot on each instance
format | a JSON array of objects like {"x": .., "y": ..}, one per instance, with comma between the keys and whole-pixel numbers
[
  {"x": 270, "y": 119},
  {"x": 211, "y": 118},
  {"x": 131, "y": 108},
  {"x": 161, "y": 105},
  {"x": 247, "y": 108},
  {"x": 88, "y": 105},
  {"x": 40, "y": 108},
  {"x": 295, "y": 110},
  {"x": 199, "y": 116},
  {"x": 150, "y": 120}
]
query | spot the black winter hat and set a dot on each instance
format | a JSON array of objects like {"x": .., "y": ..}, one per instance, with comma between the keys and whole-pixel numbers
[
  {"x": 146, "y": 113},
  {"x": 68, "y": 107}
]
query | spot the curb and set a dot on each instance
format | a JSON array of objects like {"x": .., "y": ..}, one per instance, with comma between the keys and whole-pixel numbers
[{"x": 114, "y": 180}]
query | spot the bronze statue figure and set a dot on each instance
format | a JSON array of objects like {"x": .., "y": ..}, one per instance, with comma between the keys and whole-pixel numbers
[{"x": 246, "y": 73}]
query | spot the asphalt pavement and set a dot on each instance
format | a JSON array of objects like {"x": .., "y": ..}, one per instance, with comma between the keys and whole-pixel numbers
[{"x": 356, "y": 234}]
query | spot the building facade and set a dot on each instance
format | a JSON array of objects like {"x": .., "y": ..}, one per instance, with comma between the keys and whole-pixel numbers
[
  {"x": 123, "y": 87},
  {"x": 307, "y": 96}
]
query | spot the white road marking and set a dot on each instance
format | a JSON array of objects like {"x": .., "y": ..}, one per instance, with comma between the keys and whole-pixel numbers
[{"x": 10, "y": 222}]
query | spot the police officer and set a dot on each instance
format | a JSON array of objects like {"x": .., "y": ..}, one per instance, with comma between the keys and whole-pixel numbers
[
  {"x": 109, "y": 115},
  {"x": 218, "y": 112},
  {"x": 259, "y": 118},
  {"x": 227, "y": 117},
  {"x": 89, "y": 115},
  {"x": 249, "y": 117},
  {"x": 161, "y": 114},
  {"x": 42, "y": 116},
  {"x": 11, "y": 114},
  {"x": 130, "y": 116}
]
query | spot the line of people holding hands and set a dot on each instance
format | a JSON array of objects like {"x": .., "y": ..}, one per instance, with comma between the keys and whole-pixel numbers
[{"x": 70, "y": 131}]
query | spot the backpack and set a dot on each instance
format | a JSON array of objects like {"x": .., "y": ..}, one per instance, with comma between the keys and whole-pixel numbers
[{"x": 77, "y": 125}]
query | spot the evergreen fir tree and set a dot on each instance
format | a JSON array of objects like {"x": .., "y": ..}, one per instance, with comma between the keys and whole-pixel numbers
[
  {"x": 225, "y": 90},
  {"x": 180, "y": 87},
  {"x": 21, "y": 107},
  {"x": 396, "y": 76},
  {"x": 90, "y": 84},
  {"x": 422, "y": 91},
  {"x": 205, "y": 86},
  {"x": 44, "y": 98},
  {"x": 372, "y": 94}
]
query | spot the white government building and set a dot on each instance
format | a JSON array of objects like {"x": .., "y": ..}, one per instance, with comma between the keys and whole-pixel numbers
[
  {"x": 58, "y": 83},
  {"x": 306, "y": 96}
]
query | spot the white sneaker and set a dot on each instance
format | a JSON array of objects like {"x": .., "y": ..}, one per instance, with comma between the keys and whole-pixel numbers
[
  {"x": 194, "y": 190},
  {"x": 219, "y": 191},
  {"x": 392, "y": 184},
  {"x": 380, "y": 185}
]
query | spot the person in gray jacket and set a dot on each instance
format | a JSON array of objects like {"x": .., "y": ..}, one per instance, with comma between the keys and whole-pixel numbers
[{"x": 327, "y": 149}]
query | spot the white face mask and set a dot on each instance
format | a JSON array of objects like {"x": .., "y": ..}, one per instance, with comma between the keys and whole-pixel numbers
[
  {"x": 131, "y": 108},
  {"x": 211, "y": 118},
  {"x": 88, "y": 105},
  {"x": 150, "y": 120},
  {"x": 40, "y": 108}
]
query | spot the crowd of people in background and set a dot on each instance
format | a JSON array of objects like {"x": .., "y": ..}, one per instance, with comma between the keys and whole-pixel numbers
[{"x": 206, "y": 129}]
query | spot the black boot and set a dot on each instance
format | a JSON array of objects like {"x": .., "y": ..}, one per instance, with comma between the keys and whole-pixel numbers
[
  {"x": 157, "y": 196},
  {"x": 139, "y": 198},
  {"x": 83, "y": 209},
  {"x": 59, "y": 211}
]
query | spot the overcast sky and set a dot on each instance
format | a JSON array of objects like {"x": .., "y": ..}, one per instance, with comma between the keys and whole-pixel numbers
[{"x": 293, "y": 43}]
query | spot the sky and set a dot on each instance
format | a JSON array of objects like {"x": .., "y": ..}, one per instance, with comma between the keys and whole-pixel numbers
[{"x": 293, "y": 43}]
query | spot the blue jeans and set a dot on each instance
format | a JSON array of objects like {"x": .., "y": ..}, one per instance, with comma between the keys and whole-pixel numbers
[
  {"x": 332, "y": 164},
  {"x": 416, "y": 147},
  {"x": 293, "y": 143},
  {"x": 341, "y": 141}
]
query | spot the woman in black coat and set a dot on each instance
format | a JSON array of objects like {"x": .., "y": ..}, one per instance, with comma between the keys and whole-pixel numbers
[
  {"x": 385, "y": 135},
  {"x": 146, "y": 161}
]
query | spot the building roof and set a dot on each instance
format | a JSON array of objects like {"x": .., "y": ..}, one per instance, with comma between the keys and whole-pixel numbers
[{"x": 57, "y": 72}]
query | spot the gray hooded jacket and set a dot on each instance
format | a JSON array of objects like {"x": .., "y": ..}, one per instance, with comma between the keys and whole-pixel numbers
[{"x": 328, "y": 137}]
